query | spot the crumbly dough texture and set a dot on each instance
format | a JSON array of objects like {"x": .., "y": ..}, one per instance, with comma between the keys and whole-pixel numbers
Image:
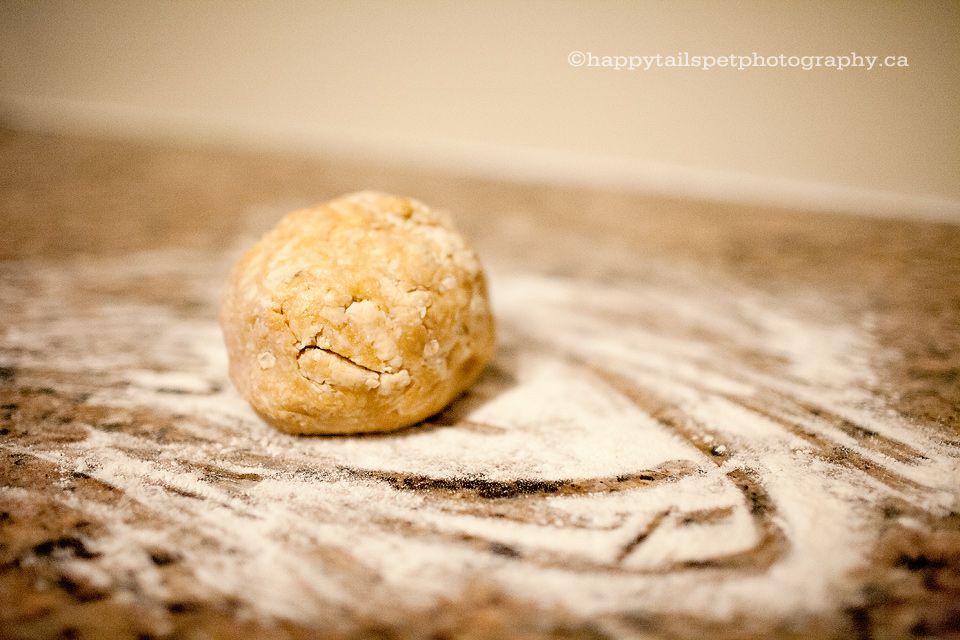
[{"x": 369, "y": 313}]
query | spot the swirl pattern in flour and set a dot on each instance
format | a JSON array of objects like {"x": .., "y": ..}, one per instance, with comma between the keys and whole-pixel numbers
[{"x": 679, "y": 449}]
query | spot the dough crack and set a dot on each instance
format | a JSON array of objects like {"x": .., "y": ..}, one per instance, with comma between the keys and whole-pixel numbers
[{"x": 340, "y": 356}]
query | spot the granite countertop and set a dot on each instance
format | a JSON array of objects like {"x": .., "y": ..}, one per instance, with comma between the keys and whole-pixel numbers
[{"x": 702, "y": 418}]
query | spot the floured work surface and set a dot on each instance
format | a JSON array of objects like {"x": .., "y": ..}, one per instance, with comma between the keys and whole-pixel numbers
[{"x": 701, "y": 420}]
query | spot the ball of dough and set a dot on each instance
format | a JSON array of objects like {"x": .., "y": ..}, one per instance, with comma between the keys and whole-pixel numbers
[{"x": 369, "y": 313}]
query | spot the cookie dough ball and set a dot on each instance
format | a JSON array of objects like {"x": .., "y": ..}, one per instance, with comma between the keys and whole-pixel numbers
[{"x": 369, "y": 313}]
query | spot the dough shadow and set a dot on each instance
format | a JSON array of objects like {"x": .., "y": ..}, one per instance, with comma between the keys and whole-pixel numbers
[{"x": 495, "y": 378}]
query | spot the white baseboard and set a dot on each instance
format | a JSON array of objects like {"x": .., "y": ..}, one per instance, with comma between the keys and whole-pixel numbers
[{"x": 469, "y": 157}]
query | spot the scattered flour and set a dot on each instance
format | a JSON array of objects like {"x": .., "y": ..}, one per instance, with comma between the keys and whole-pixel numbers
[{"x": 559, "y": 411}]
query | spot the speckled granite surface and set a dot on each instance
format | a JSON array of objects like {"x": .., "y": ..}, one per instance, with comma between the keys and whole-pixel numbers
[{"x": 702, "y": 419}]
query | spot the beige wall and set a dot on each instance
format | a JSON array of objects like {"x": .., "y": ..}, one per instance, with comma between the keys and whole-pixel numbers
[{"x": 462, "y": 81}]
